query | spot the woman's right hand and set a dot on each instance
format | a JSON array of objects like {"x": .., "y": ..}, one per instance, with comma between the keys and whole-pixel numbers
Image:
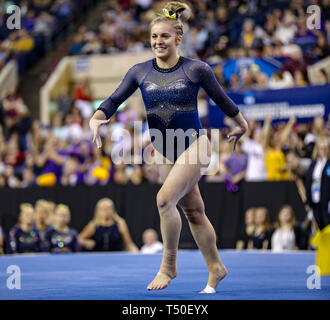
[{"x": 95, "y": 124}]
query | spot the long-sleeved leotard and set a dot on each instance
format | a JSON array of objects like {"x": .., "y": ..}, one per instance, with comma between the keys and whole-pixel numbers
[{"x": 170, "y": 98}]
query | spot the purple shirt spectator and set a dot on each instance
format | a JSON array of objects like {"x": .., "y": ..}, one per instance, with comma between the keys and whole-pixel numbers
[{"x": 236, "y": 163}]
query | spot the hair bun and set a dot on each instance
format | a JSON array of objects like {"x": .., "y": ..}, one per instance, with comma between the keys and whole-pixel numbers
[
  {"x": 181, "y": 9},
  {"x": 185, "y": 15}
]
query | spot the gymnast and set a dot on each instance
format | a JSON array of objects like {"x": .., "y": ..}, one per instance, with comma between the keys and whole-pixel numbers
[{"x": 169, "y": 85}]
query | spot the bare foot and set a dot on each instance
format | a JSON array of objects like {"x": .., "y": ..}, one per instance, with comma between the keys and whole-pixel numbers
[
  {"x": 215, "y": 277},
  {"x": 161, "y": 281}
]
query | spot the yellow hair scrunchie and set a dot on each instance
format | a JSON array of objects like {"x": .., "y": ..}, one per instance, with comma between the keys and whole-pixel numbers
[{"x": 170, "y": 14}]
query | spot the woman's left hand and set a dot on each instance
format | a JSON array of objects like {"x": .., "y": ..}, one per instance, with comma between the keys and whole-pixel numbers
[{"x": 235, "y": 135}]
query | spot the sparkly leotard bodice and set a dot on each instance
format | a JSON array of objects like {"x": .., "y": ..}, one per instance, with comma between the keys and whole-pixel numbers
[{"x": 170, "y": 98}]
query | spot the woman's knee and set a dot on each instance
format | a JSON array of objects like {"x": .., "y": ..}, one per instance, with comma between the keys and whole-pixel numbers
[
  {"x": 164, "y": 201},
  {"x": 194, "y": 214}
]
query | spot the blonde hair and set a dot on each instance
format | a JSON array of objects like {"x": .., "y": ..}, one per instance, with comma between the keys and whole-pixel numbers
[
  {"x": 42, "y": 204},
  {"x": 317, "y": 145},
  {"x": 175, "y": 13},
  {"x": 25, "y": 206},
  {"x": 115, "y": 215},
  {"x": 277, "y": 224},
  {"x": 61, "y": 206},
  {"x": 266, "y": 224}
]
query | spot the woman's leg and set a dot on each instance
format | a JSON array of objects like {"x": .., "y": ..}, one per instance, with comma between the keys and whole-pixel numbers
[
  {"x": 203, "y": 232},
  {"x": 181, "y": 178},
  {"x": 170, "y": 226}
]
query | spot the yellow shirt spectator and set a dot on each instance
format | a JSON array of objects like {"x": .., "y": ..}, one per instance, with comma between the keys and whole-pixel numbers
[
  {"x": 276, "y": 165},
  {"x": 25, "y": 43}
]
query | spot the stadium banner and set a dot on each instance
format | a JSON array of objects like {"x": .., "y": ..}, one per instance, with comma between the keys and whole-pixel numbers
[{"x": 304, "y": 103}]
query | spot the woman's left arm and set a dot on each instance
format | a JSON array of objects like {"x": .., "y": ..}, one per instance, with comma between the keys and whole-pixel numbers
[
  {"x": 128, "y": 242},
  {"x": 210, "y": 84}
]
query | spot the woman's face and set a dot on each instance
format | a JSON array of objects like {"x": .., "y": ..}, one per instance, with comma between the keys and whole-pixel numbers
[
  {"x": 164, "y": 41},
  {"x": 105, "y": 210},
  {"x": 260, "y": 217},
  {"x": 27, "y": 216},
  {"x": 41, "y": 213},
  {"x": 149, "y": 237},
  {"x": 323, "y": 148},
  {"x": 62, "y": 217},
  {"x": 285, "y": 215},
  {"x": 249, "y": 216}
]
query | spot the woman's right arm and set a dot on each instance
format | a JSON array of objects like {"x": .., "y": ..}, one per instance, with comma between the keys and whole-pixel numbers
[{"x": 109, "y": 106}]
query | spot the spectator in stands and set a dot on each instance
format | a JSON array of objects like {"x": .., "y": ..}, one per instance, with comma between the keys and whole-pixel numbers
[
  {"x": 150, "y": 242},
  {"x": 50, "y": 161},
  {"x": 83, "y": 98},
  {"x": 97, "y": 170},
  {"x": 71, "y": 175},
  {"x": 274, "y": 157},
  {"x": 28, "y": 21},
  {"x": 322, "y": 49},
  {"x": 247, "y": 35},
  {"x": 24, "y": 237},
  {"x": 262, "y": 232},
  {"x": 11, "y": 179},
  {"x": 41, "y": 210},
  {"x": 261, "y": 79},
  {"x": 44, "y": 24},
  {"x": 254, "y": 148},
  {"x": 59, "y": 238},
  {"x": 120, "y": 175},
  {"x": 93, "y": 46},
  {"x": 24, "y": 42},
  {"x": 317, "y": 183},
  {"x": 280, "y": 80},
  {"x": 318, "y": 130},
  {"x": 295, "y": 62},
  {"x": 107, "y": 231},
  {"x": 64, "y": 101},
  {"x": 218, "y": 72},
  {"x": 244, "y": 240},
  {"x": 299, "y": 80},
  {"x": 136, "y": 176},
  {"x": 77, "y": 45},
  {"x": 28, "y": 178},
  {"x": 236, "y": 166},
  {"x": 286, "y": 234},
  {"x": 234, "y": 82},
  {"x": 296, "y": 172},
  {"x": 51, "y": 212}
]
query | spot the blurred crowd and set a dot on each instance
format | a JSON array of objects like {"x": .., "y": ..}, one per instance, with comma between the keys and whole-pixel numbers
[
  {"x": 221, "y": 30},
  {"x": 44, "y": 227},
  {"x": 285, "y": 234},
  {"x": 40, "y": 25}
]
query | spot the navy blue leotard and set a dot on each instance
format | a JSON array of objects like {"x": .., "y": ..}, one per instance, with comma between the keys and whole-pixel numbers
[{"x": 170, "y": 98}]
